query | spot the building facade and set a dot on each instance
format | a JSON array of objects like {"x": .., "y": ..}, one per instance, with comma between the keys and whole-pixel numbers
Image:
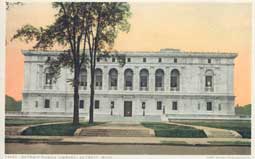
[{"x": 150, "y": 86}]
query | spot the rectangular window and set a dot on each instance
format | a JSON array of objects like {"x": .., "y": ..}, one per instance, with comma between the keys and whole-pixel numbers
[
  {"x": 209, "y": 60},
  {"x": 98, "y": 59},
  {"x": 97, "y": 104},
  {"x": 112, "y": 104},
  {"x": 57, "y": 104},
  {"x": 209, "y": 106},
  {"x": 159, "y": 105},
  {"x": 113, "y": 59},
  {"x": 159, "y": 60},
  {"x": 175, "y": 60},
  {"x": 198, "y": 106},
  {"x": 208, "y": 81},
  {"x": 47, "y": 103},
  {"x": 36, "y": 104},
  {"x": 219, "y": 107},
  {"x": 81, "y": 104},
  {"x": 128, "y": 60},
  {"x": 174, "y": 106},
  {"x": 144, "y": 59}
]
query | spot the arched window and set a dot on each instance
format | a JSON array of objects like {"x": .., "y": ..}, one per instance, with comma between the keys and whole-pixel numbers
[
  {"x": 48, "y": 76},
  {"x": 98, "y": 78},
  {"x": 159, "y": 79},
  {"x": 209, "y": 80},
  {"x": 83, "y": 78},
  {"x": 144, "y": 79},
  {"x": 128, "y": 77},
  {"x": 113, "y": 78},
  {"x": 175, "y": 80}
]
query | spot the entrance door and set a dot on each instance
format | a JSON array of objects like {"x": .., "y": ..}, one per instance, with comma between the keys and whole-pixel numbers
[{"x": 127, "y": 108}]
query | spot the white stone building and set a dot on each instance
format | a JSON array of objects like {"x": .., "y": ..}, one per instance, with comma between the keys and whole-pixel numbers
[{"x": 150, "y": 86}]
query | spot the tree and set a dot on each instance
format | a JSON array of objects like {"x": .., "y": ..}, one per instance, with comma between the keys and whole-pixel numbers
[
  {"x": 11, "y": 4},
  {"x": 106, "y": 20},
  {"x": 79, "y": 27}
]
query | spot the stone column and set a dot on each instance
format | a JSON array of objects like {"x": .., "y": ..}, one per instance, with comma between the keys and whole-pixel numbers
[
  {"x": 136, "y": 79},
  {"x": 167, "y": 79},
  {"x": 151, "y": 78},
  {"x": 105, "y": 83},
  {"x": 120, "y": 78}
]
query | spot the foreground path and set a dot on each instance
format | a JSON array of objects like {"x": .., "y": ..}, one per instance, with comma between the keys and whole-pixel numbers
[
  {"x": 116, "y": 129},
  {"x": 18, "y": 148},
  {"x": 212, "y": 132}
]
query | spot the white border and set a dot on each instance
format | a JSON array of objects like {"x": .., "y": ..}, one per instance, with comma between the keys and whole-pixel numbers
[
  {"x": 2, "y": 77},
  {"x": 2, "y": 87}
]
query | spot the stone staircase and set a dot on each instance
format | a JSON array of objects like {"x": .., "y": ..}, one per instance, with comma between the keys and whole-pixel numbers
[
  {"x": 135, "y": 118},
  {"x": 116, "y": 130},
  {"x": 115, "y": 133}
]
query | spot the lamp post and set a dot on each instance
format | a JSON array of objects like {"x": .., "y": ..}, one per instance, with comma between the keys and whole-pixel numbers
[
  {"x": 112, "y": 106},
  {"x": 143, "y": 107}
]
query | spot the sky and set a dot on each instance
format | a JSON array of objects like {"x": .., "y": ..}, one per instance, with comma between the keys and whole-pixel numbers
[{"x": 212, "y": 27}]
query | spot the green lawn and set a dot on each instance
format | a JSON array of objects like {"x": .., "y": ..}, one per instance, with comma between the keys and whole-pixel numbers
[
  {"x": 242, "y": 127},
  {"x": 169, "y": 130},
  {"x": 66, "y": 129},
  {"x": 33, "y": 121}
]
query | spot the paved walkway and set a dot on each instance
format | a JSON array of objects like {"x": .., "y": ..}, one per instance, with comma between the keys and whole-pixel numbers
[
  {"x": 116, "y": 129},
  {"x": 126, "y": 140},
  {"x": 213, "y": 132}
]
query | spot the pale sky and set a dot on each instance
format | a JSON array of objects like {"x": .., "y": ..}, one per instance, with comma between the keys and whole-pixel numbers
[{"x": 217, "y": 27}]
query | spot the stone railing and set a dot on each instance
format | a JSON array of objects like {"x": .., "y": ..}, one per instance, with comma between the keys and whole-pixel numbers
[
  {"x": 159, "y": 88},
  {"x": 209, "y": 89},
  {"x": 128, "y": 88}
]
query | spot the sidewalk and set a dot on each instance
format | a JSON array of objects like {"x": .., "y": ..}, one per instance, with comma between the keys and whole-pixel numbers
[
  {"x": 212, "y": 132},
  {"x": 129, "y": 140}
]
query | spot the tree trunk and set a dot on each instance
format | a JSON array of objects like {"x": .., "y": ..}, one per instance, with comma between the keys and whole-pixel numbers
[
  {"x": 92, "y": 92},
  {"x": 76, "y": 96}
]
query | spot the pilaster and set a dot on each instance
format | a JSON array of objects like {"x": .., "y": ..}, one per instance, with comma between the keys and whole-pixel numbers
[
  {"x": 151, "y": 78},
  {"x": 120, "y": 78},
  {"x": 167, "y": 79},
  {"x": 136, "y": 79},
  {"x": 105, "y": 81}
]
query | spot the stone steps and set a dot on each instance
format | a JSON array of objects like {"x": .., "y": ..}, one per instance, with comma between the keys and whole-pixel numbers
[
  {"x": 135, "y": 118},
  {"x": 115, "y": 132}
]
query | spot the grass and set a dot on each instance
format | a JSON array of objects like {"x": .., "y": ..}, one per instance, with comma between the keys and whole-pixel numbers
[
  {"x": 169, "y": 130},
  {"x": 65, "y": 129},
  {"x": 230, "y": 143},
  {"x": 20, "y": 122},
  {"x": 242, "y": 127}
]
